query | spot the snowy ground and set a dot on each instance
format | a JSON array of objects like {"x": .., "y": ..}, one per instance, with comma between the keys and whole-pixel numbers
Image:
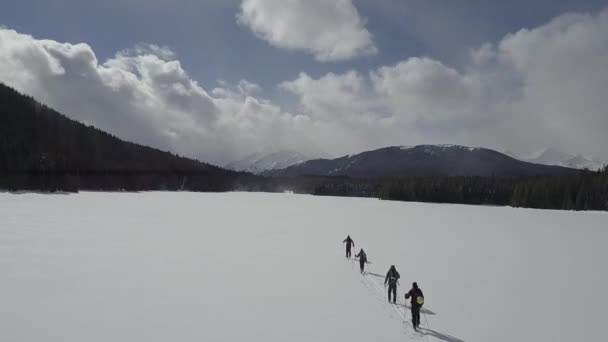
[{"x": 271, "y": 267}]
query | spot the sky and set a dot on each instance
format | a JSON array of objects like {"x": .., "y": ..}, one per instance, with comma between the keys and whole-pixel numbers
[{"x": 218, "y": 80}]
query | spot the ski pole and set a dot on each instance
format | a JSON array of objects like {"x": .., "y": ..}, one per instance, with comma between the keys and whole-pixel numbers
[{"x": 426, "y": 320}]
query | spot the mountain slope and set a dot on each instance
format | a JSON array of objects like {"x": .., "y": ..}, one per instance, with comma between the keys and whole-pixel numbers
[
  {"x": 35, "y": 139},
  {"x": 422, "y": 160},
  {"x": 581, "y": 162},
  {"x": 554, "y": 157},
  {"x": 259, "y": 162}
]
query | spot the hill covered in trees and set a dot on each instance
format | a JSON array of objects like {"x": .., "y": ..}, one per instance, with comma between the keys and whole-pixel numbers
[
  {"x": 41, "y": 149},
  {"x": 421, "y": 160}
]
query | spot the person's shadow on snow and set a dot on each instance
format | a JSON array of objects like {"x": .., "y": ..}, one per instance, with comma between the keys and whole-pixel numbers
[
  {"x": 429, "y": 332},
  {"x": 422, "y": 310},
  {"x": 439, "y": 336}
]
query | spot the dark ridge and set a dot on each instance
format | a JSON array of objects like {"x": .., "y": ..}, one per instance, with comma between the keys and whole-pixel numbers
[
  {"x": 44, "y": 150},
  {"x": 422, "y": 160}
]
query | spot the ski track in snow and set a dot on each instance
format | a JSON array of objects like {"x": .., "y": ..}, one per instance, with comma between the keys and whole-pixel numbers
[{"x": 378, "y": 290}]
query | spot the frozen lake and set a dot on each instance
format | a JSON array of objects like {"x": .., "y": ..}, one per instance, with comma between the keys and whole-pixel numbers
[{"x": 271, "y": 267}]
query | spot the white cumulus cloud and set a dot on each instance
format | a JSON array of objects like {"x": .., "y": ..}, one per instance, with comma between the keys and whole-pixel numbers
[
  {"x": 329, "y": 30},
  {"x": 144, "y": 95},
  {"x": 535, "y": 88}
]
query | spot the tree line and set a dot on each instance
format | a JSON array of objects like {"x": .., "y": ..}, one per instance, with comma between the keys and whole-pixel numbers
[{"x": 586, "y": 190}]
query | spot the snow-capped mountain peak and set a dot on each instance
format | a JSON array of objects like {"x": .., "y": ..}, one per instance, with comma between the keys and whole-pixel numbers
[
  {"x": 420, "y": 160},
  {"x": 552, "y": 156},
  {"x": 260, "y": 162}
]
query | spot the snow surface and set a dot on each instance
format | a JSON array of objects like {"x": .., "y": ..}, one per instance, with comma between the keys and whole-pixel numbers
[
  {"x": 271, "y": 267},
  {"x": 430, "y": 149}
]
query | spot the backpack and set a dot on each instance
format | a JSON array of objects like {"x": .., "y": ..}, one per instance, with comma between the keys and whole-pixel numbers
[
  {"x": 392, "y": 278},
  {"x": 417, "y": 297}
]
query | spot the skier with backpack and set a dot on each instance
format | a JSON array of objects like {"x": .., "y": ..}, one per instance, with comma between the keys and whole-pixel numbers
[
  {"x": 362, "y": 259},
  {"x": 392, "y": 278},
  {"x": 349, "y": 243},
  {"x": 417, "y": 300}
]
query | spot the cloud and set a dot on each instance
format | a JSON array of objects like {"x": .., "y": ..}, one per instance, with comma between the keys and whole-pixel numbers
[
  {"x": 332, "y": 96},
  {"x": 562, "y": 73},
  {"x": 329, "y": 30},
  {"x": 144, "y": 95},
  {"x": 534, "y": 88}
]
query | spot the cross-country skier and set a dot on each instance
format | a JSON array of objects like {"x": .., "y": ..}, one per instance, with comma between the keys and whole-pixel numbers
[
  {"x": 392, "y": 276},
  {"x": 362, "y": 259},
  {"x": 417, "y": 300},
  {"x": 349, "y": 243}
]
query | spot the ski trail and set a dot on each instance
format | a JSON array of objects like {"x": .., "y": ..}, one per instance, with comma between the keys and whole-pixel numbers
[
  {"x": 372, "y": 285},
  {"x": 412, "y": 334}
]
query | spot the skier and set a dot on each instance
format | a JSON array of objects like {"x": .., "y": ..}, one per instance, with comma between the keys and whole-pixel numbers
[
  {"x": 417, "y": 300},
  {"x": 392, "y": 277},
  {"x": 362, "y": 259},
  {"x": 349, "y": 243}
]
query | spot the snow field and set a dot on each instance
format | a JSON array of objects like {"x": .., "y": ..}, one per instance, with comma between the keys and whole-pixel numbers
[{"x": 271, "y": 267}]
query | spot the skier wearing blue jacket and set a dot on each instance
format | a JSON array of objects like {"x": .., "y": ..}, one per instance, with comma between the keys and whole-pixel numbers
[{"x": 392, "y": 277}]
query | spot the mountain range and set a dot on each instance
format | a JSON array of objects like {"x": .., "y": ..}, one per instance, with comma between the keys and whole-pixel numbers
[
  {"x": 276, "y": 163},
  {"x": 35, "y": 138},
  {"x": 258, "y": 163},
  {"x": 554, "y": 157},
  {"x": 421, "y": 160}
]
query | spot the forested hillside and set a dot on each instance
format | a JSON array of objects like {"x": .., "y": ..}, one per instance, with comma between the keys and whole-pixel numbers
[
  {"x": 422, "y": 160},
  {"x": 42, "y": 149}
]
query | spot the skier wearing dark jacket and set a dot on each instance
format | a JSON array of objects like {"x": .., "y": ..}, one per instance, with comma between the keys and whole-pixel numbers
[
  {"x": 392, "y": 276},
  {"x": 349, "y": 243},
  {"x": 362, "y": 259},
  {"x": 417, "y": 300}
]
